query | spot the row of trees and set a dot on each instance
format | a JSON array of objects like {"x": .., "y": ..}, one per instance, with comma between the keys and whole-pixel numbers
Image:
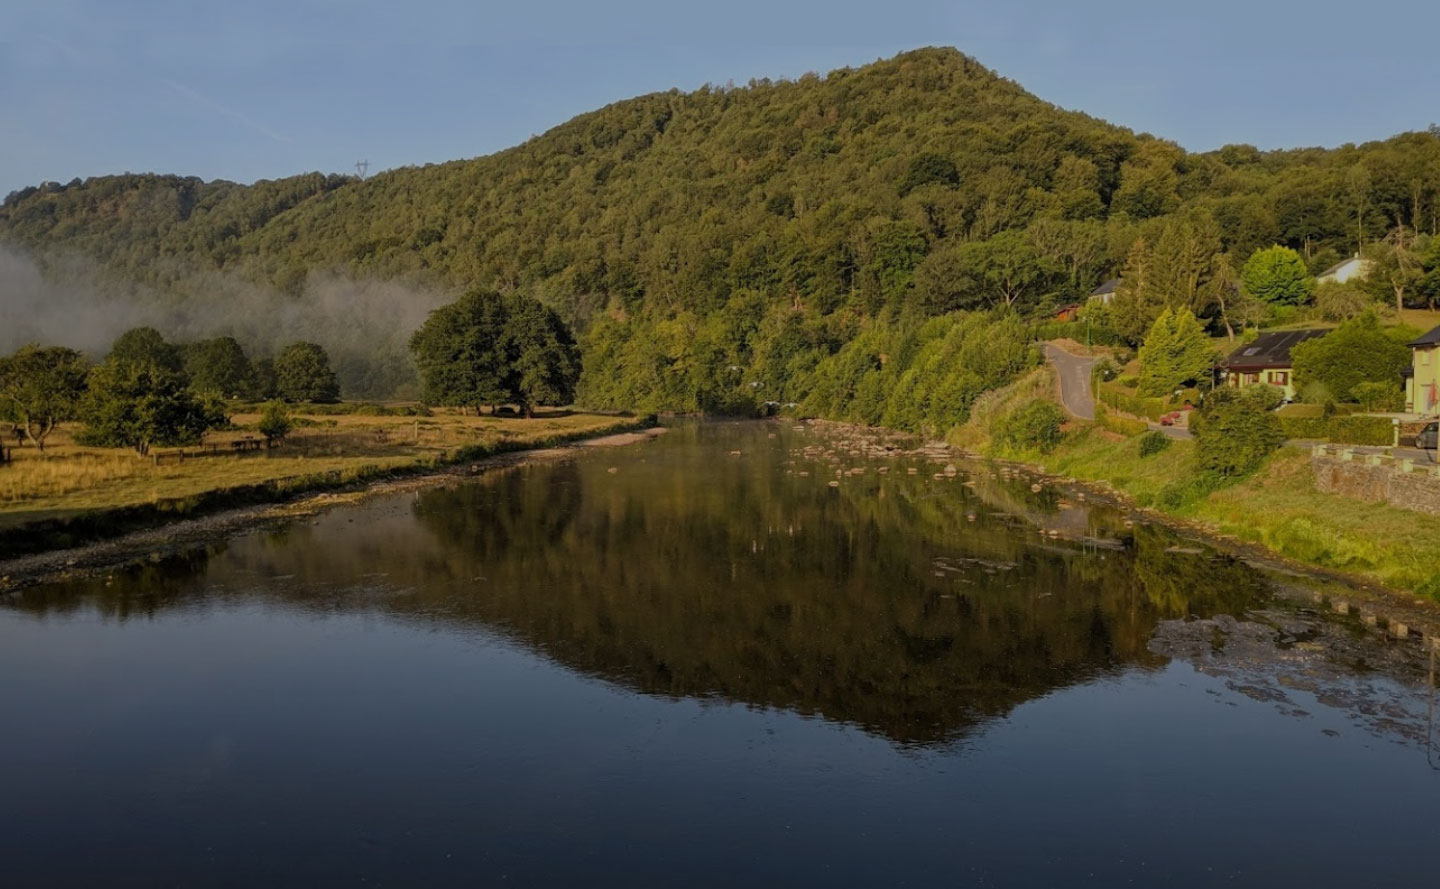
[{"x": 147, "y": 391}]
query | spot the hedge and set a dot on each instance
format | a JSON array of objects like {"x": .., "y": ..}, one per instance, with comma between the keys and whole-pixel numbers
[
  {"x": 1354, "y": 430},
  {"x": 1125, "y": 402},
  {"x": 1075, "y": 330}
]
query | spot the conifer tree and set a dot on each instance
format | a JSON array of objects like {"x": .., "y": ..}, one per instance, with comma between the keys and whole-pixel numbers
[{"x": 1175, "y": 352}]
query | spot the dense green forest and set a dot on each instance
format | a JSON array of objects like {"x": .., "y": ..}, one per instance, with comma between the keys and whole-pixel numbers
[{"x": 720, "y": 248}]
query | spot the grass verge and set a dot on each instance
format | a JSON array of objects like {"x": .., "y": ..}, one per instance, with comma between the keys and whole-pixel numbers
[{"x": 65, "y": 499}]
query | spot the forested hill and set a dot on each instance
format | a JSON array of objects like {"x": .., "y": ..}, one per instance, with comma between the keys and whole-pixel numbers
[{"x": 757, "y": 227}]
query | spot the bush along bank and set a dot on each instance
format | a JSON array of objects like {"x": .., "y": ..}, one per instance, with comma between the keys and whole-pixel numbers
[
  {"x": 1274, "y": 503},
  {"x": 1232, "y": 480},
  {"x": 98, "y": 525}
]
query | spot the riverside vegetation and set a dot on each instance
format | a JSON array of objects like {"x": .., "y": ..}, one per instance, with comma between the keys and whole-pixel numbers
[{"x": 1233, "y": 478}]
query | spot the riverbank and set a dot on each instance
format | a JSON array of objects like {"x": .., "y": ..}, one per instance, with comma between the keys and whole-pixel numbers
[
  {"x": 1276, "y": 509},
  {"x": 140, "y": 536},
  {"x": 1097, "y": 467}
]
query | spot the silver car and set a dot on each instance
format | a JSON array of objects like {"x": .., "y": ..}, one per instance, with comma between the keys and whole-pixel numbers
[{"x": 1427, "y": 439}]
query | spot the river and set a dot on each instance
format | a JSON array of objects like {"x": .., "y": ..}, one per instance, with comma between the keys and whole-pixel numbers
[{"x": 697, "y": 662}]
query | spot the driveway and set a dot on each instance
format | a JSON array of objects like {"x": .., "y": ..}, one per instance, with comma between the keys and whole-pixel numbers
[{"x": 1074, "y": 374}]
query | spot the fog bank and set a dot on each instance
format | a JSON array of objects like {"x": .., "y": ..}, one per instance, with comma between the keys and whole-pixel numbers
[{"x": 364, "y": 325}]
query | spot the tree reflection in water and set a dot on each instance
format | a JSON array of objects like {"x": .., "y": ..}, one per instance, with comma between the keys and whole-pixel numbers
[{"x": 913, "y": 607}]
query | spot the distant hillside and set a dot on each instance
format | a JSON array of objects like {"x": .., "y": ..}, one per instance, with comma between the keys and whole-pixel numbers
[{"x": 894, "y": 190}]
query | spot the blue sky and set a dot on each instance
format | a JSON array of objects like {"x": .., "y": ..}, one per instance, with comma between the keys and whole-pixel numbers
[{"x": 260, "y": 89}]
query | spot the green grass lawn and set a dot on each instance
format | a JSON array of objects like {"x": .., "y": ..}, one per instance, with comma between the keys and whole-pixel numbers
[{"x": 1278, "y": 507}]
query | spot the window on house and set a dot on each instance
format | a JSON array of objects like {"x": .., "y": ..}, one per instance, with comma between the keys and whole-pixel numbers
[
  {"x": 1252, "y": 378},
  {"x": 1279, "y": 377}
]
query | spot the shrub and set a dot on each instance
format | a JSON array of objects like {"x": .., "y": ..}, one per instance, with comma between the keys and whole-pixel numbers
[
  {"x": 1079, "y": 331},
  {"x": 1234, "y": 433},
  {"x": 1379, "y": 396},
  {"x": 1341, "y": 302},
  {"x": 1341, "y": 429},
  {"x": 1269, "y": 396},
  {"x": 1359, "y": 351},
  {"x": 1316, "y": 392},
  {"x": 1034, "y": 426},
  {"x": 1305, "y": 427},
  {"x": 274, "y": 422},
  {"x": 1153, "y": 442},
  {"x": 1125, "y": 402},
  {"x": 1361, "y": 430}
]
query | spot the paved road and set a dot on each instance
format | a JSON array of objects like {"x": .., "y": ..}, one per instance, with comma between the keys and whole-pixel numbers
[
  {"x": 1424, "y": 458},
  {"x": 1074, "y": 374}
]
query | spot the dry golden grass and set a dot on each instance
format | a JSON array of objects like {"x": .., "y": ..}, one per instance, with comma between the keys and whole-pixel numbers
[{"x": 68, "y": 479}]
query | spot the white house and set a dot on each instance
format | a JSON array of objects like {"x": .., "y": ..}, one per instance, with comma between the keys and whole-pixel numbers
[
  {"x": 1105, "y": 292},
  {"x": 1346, "y": 270}
]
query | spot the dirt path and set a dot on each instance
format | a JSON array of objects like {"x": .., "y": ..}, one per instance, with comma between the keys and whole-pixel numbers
[
  {"x": 155, "y": 543},
  {"x": 1074, "y": 374}
]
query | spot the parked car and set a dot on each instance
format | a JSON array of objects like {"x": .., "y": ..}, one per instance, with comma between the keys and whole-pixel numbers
[{"x": 1428, "y": 439}]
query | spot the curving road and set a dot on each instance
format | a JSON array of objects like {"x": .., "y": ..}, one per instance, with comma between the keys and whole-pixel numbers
[{"x": 1074, "y": 374}]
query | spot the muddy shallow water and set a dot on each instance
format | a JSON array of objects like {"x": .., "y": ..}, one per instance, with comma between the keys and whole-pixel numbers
[{"x": 697, "y": 661}]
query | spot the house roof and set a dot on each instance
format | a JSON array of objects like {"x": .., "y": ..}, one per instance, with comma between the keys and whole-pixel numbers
[
  {"x": 1429, "y": 339},
  {"x": 1108, "y": 287},
  {"x": 1335, "y": 269},
  {"x": 1269, "y": 349}
]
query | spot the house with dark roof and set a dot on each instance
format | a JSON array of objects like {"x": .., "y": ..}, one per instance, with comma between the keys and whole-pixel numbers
[
  {"x": 1345, "y": 270},
  {"x": 1422, "y": 383},
  {"x": 1105, "y": 292},
  {"x": 1266, "y": 359}
]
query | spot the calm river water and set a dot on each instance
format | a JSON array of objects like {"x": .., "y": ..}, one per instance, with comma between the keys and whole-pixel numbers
[{"x": 673, "y": 665}]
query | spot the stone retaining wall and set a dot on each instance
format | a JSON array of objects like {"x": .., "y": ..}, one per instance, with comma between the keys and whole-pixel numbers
[{"x": 1376, "y": 478}]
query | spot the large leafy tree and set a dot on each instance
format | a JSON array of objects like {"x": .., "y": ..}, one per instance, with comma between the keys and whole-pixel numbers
[
  {"x": 140, "y": 405},
  {"x": 302, "y": 373},
  {"x": 545, "y": 362},
  {"x": 1277, "y": 276},
  {"x": 219, "y": 366},
  {"x": 1397, "y": 268},
  {"x": 488, "y": 348},
  {"x": 1359, "y": 351},
  {"x": 460, "y": 351},
  {"x": 1234, "y": 432},
  {"x": 1004, "y": 270},
  {"x": 146, "y": 345},
  {"x": 1175, "y": 352},
  {"x": 41, "y": 388}
]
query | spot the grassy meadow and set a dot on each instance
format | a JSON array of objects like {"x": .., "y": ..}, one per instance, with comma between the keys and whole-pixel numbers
[{"x": 69, "y": 479}]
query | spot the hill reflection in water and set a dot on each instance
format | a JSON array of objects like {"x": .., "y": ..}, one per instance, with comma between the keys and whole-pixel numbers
[{"x": 913, "y": 607}]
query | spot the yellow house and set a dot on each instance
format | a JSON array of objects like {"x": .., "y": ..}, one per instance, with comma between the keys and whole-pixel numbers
[
  {"x": 1422, "y": 384},
  {"x": 1266, "y": 359}
]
